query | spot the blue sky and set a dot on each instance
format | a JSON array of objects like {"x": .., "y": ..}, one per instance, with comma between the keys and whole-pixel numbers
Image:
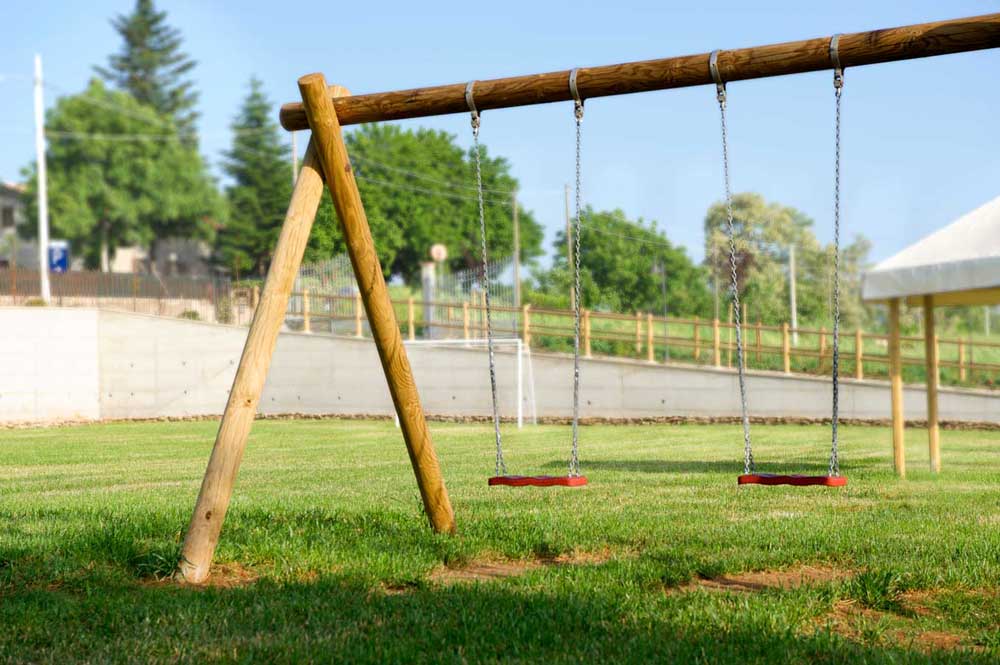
[{"x": 920, "y": 139}]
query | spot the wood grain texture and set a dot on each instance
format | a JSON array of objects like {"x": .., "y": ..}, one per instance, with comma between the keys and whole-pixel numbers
[
  {"x": 332, "y": 153},
  {"x": 241, "y": 409},
  {"x": 856, "y": 49},
  {"x": 896, "y": 384},
  {"x": 933, "y": 369}
]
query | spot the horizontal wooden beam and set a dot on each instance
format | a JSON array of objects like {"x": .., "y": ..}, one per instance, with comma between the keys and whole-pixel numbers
[{"x": 859, "y": 48}]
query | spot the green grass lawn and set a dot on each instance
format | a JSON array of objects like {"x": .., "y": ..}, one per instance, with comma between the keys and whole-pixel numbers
[{"x": 325, "y": 555}]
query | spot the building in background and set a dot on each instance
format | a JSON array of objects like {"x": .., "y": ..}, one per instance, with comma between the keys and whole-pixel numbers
[{"x": 14, "y": 250}]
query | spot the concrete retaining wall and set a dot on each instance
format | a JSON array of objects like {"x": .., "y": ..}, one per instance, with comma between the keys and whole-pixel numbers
[{"x": 77, "y": 363}]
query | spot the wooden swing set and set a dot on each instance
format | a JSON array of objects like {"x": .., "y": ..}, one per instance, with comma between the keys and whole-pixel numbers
[{"x": 325, "y": 110}]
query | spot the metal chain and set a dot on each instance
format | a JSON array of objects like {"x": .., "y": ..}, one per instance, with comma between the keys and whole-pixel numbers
[
  {"x": 501, "y": 467},
  {"x": 574, "y": 460},
  {"x": 838, "y": 86},
  {"x": 748, "y": 463}
]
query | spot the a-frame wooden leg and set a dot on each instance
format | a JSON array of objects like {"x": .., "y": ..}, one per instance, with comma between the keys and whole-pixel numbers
[
  {"x": 217, "y": 486},
  {"x": 332, "y": 153}
]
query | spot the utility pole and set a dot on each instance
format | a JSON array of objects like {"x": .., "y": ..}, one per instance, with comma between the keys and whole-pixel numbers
[
  {"x": 517, "y": 251},
  {"x": 569, "y": 252},
  {"x": 295, "y": 160},
  {"x": 43, "y": 195},
  {"x": 660, "y": 268},
  {"x": 791, "y": 295}
]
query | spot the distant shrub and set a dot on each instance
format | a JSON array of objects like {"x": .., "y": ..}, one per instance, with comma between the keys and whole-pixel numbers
[
  {"x": 224, "y": 310},
  {"x": 190, "y": 314},
  {"x": 34, "y": 302}
]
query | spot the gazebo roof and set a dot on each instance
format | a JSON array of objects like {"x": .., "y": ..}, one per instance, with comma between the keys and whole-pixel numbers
[{"x": 958, "y": 264}]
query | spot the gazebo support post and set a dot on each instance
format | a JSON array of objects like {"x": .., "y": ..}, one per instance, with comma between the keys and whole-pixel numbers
[
  {"x": 931, "y": 359},
  {"x": 896, "y": 379}
]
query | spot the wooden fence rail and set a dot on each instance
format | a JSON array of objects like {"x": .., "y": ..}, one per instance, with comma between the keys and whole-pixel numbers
[{"x": 655, "y": 338}]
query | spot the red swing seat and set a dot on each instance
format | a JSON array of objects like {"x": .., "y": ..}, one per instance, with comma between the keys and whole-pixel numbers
[
  {"x": 538, "y": 481},
  {"x": 790, "y": 479}
]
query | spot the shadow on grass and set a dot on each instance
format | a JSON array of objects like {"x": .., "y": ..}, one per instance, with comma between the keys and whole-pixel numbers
[{"x": 337, "y": 619}]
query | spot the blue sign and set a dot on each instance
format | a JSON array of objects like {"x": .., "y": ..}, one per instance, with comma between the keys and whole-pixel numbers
[{"x": 58, "y": 256}]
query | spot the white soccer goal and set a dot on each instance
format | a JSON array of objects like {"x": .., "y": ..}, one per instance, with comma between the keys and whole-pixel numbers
[{"x": 524, "y": 376}]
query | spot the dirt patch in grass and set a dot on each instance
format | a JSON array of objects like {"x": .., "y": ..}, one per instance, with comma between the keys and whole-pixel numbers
[
  {"x": 861, "y": 624},
  {"x": 482, "y": 570},
  {"x": 222, "y": 576},
  {"x": 763, "y": 580}
]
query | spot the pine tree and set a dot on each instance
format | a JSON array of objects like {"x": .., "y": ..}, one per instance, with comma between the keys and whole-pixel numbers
[
  {"x": 261, "y": 187},
  {"x": 151, "y": 65}
]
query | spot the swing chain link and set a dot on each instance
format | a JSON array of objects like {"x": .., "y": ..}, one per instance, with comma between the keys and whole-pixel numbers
[
  {"x": 574, "y": 461},
  {"x": 720, "y": 86},
  {"x": 501, "y": 466},
  {"x": 838, "y": 86}
]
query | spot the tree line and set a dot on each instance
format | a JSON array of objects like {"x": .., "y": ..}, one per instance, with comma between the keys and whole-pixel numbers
[{"x": 125, "y": 169}]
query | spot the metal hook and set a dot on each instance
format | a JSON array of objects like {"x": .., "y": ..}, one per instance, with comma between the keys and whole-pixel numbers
[
  {"x": 838, "y": 69},
  {"x": 713, "y": 67},
  {"x": 471, "y": 101},
  {"x": 578, "y": 101}
]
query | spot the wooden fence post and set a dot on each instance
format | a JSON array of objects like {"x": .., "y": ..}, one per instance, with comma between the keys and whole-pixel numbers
[
  {"x": 306, "y": 326},
  {"x": 697, "y": 339},
  {"x": 411, "y": 323},
  {"x": 729, "y": 337},
  {"x": 760, "y": 345},
  {"x": 716, "y": 350},
  {"x": 650, "y": 347},
  {"x": 526, "y": 332},
  {"x": 255, "y": 297},
  {"x": 357, "y": 315},
  {"x": 822, "y": 349},
  {"x": 961, "y": 359},
  {"x": 786, "y": 349},
  {"x": 586, "y": 333},
  {"x": 859, "y": 355},
  {"x": 638, "y": 332}
]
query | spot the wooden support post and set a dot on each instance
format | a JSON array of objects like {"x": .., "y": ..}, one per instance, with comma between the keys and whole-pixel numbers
[
  {"x": 859, "y": 355},
  {"x": 786, "y": 349},
  {"x": 306, "y": 326},
  {"x": 650, "y": 346},
  {"x": 586, "y": 333},
  {"x": 411, "y": 323},
  {"x": 269, "y": 314},
  {"x": 255, "y": 297},
  {"x": 332, "y": 154},
  {"x": 896, "y": 381},
  {"x": 526, "y": 333},
  {"x": 465, "y": 320},
  {"x": 716, "y": 351},
  {"x": 358, "y": 330},
  {"x": 961, "y": 359},
  {"x": 336, "y": 164},
  {"x": 933, "y": 368},
  {"x": 697, "y": 339}
]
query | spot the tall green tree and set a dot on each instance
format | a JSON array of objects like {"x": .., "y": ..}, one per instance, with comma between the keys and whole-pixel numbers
[
  {"x": 261, "y": 175},
  {"x": 151, "y": 65},
  {"x": 764, "y": 232},
  {"x": 418, "y": 187},
  {"x": 112, "y": 183},
  {"x": 623, "y": 267}
]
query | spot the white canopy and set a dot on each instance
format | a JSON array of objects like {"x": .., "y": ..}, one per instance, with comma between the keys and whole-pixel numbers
[{"x": 958, "y": 264}]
